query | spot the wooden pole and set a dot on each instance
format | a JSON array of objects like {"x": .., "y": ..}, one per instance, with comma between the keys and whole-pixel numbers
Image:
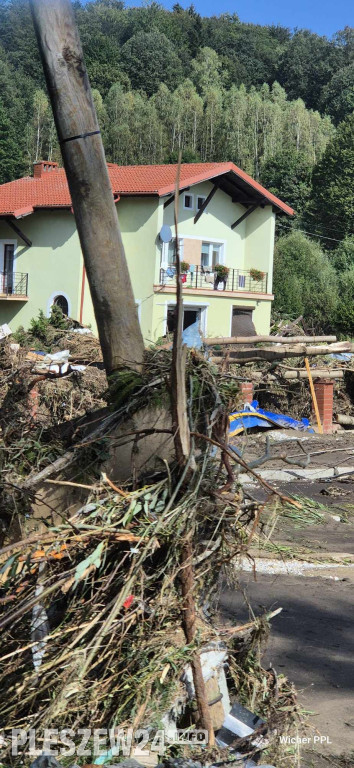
[
  {"x": 179, "y": 359},
  {"x": 314, "y": 398},
  {"x": 189, "y": 622},
  {"x": 91, "y": 193}
]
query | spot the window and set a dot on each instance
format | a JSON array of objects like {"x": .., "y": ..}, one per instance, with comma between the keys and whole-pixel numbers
[
  {"x": 8, "y": 276},
  {"x": 188, "y": 202},
  {"x": 62, "y": 302},
  {"x": 200, "y": 200},
  {"x": 171, "y": 253},
  {"x": 212, "y": 253},
  {"x": 191, "y": 315}
]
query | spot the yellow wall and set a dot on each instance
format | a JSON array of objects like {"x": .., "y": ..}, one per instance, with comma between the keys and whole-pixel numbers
[
  {"x": 218, "y": 310},
  {"x": 259, "y": 241},
  {"x": 214, "y": 223},
  {"x": 140, "y": 224},
  {"x": 52, "y": 263}
]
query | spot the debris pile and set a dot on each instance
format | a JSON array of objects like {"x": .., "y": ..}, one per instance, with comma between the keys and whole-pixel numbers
[{"x": 96, "y": 612}]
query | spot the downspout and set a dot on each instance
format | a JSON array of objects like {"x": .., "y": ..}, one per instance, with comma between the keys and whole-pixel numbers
[{"x": 82, "y": 293}]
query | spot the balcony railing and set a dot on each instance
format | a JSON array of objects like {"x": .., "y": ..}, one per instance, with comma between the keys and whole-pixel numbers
[
  {"x": 199, "y": 277},
  {"x": 13, "y": 283}
]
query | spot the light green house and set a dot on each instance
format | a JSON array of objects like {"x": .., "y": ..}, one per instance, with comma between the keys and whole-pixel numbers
[{"x": 225, "y": 218}]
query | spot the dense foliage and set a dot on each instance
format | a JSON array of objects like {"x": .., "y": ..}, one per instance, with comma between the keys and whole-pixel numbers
[{"x": 278, "y": 104}]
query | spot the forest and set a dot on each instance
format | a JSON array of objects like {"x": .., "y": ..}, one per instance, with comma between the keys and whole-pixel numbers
[{"x": 277, "y": 102}]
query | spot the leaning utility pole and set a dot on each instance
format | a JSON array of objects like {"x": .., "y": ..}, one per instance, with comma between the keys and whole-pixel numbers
[{"x": 91, "y": 193}]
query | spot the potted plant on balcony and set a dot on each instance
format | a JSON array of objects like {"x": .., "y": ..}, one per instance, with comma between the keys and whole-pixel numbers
[
  {"x": 221, "y": 272},
  {"x": 184, "y": 270},
  {"x": 257, "y": 275}
]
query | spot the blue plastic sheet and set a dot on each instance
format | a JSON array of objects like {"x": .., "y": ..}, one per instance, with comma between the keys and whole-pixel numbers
[
  {"x": 344, "y": 357},
  {"x": 252, "y": 416},
  {"x": 192, "y": 336}
]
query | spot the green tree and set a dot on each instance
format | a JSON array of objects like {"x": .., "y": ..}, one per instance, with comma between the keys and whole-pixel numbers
[
  {"x": 332, "y": 205},
  {"x": 305, "y": 282},
  {"x": 307, "y": 65},
  {"x": 11, "y": 158},
  {"x": 288, "y": 175},
  {"x": 345, "y": 309},
  {"x": 149, "y": 58},
  {"x": 338, "y": 95},
  {"x": 343, "y": 256},
  {"x": 206, "y": 70}
]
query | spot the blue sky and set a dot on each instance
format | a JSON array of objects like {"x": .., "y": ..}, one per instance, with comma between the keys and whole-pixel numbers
[{"x": 322, "y": 16}]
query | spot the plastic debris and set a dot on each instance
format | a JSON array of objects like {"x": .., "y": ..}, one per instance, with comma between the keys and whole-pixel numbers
[
  {"x": 5, "y": 331},
  {"x": 82, "y": 331},
  {"x": 344, "y": 357},
  {"x": 192, "y": 336},
  {"x": 252, "y": 416},
  {"x": 56, "y": 364}
]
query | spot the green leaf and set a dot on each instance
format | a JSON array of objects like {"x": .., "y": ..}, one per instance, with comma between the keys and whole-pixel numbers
[{"x": 93, "y": 559}]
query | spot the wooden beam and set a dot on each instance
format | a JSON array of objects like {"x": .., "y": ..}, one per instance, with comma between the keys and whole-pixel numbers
[
  {"x": 18, "y": 231},
  {"x": 246, "y": 202},
  {"x": 244, "y": 216},
  {"x": 206, "y": 203},
  {"x": 171, "y": 199}
]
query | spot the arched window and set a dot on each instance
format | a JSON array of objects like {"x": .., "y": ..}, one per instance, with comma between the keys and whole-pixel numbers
[{"x": 62, "y": 302}]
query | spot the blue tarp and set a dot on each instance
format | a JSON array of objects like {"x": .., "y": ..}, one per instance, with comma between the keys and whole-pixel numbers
[
  {"x": 252, "y": 416},
  {"x": 192, "y": 336}
]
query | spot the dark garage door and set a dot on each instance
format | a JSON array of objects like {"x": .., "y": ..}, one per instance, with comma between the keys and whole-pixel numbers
[{"x": 242, "y": 323}]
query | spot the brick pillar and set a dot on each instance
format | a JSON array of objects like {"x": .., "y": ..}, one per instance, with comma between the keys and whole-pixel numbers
[
  {"x": 247, "y": 391},
  {"x": 324, "y": 394}
]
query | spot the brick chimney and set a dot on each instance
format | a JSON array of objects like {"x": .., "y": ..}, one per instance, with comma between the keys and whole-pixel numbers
[{"x": 43, "y": 166}]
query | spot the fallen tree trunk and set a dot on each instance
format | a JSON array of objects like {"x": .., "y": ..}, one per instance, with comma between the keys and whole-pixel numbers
[
  {"x": 272, "y": 339},
  {"x": 344, "y": 420},
  {"x": 336, "y": 373},
  {"x": 270, "y": 354}
]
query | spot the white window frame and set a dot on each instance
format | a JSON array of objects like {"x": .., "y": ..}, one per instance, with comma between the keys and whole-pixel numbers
[
  {"x": 203, "y": 306},
  {"x": 188, "y": 207},
  {"x": 211, "y": 243},
  {"x": 164, "y": 253},
  {"x": 203, "y": 199},
  {"x": 51, "y": 302}
]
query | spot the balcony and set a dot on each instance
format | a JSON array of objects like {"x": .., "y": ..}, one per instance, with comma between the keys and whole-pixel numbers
[
  {"x": 14, "y": 285},
  {"x": 204, "y": 278}
]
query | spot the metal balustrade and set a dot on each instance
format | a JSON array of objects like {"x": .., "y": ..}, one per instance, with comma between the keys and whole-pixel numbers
[
  {"x": 205, "y": 278},
  {"x": 13, "y": 284}
]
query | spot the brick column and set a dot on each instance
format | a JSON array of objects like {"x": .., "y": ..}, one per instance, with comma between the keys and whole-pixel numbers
[
  {"x": 247, "y": 391},
  {"x": 324, "y": 394}
]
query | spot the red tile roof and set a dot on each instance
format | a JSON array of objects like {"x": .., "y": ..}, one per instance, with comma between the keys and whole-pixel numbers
[{"x": 49, "y": 189}]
